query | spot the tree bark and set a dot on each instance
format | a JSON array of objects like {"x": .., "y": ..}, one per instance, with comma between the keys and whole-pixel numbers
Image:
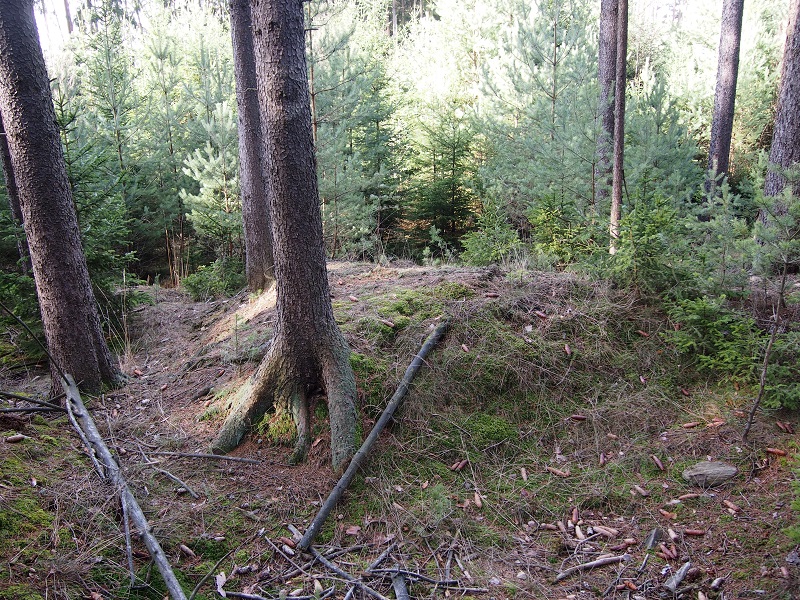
[
  {"x": 13, "y": 200},
  {"x": 68, "y": 16},
  {"x": 607, "y": 67},
  {"x": 725, "y": 94},
  {"x": 69, "y": 310},
  {"x": 308, "y": 352},
  {"x": 619, "y": 124},
  {"x": 785, "y": 149},
  {"x": 259, "y": 262}
]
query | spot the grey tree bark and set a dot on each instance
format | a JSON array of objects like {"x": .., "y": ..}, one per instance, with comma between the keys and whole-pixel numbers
[
  {"x": 785, "y": 149},
  {"x": 607, "y": 68},
  {"x": 69, "y": 310},
  {"x": 618, "y": 176},
  {"x": 725, "y": 94},
  {"x": 13, "y": 200},
  {"x": 308, "y": 352},
  {"x": 259, "y": 262}
]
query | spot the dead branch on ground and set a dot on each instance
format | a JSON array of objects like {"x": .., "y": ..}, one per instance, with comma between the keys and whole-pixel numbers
[
  {"x": 109, "y": 471},
  {"x": 360, "y": 456}
]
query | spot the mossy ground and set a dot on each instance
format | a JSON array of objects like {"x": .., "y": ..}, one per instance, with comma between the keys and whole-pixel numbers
[{"x": 552, "y": 394}]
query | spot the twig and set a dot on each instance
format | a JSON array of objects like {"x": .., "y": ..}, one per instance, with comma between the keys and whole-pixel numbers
[
  {"x": 298, "y": 568},
  {"x": 128, "y": 546},
  {"x": 289, "y": 574},
  {"x": 112, "y": 474},
  {"x": 600, "y": 562},
  {"x": 381, "y": 557},
  {"x": 180, "y": 482},
  {"x": 30, "y": 409},
  {"x": 325, "y": 594},
  {"x": 345, "y": 575},
  {"x": 384, "y": 419},
  {"x": 762, "y": 381},
  {"x": 448, "y": 583},
  {"x": 211, "y": 572},
  {"x": 24, "y": 325},
  {"x": 251, "y": 461},
  {"x": 14, "y": 396}
]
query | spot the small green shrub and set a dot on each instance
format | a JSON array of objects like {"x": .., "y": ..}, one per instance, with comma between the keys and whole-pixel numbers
[
  {"x": 222, "y": 278},
  {"x": 494, "y": 240},
  {"x": 720, "y": 340},
  {"x": 783, "y": 374}
]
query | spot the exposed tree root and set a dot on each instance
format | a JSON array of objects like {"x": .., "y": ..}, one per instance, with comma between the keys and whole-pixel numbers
[{"x": 286, "y": 381}]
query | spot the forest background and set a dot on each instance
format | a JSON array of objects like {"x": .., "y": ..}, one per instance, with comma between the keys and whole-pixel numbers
[{"x": 445, "y": 131}]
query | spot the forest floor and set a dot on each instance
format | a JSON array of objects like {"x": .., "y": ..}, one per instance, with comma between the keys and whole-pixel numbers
[{"x": 550, "y": 427}]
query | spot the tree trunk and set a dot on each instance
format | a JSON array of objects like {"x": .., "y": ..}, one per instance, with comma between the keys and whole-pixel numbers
[
  {"x": 725, "y": 95},
  {"x": 13, "y": 200},
  {"x": 308, "y": 352},
  {"x": 68, "y": 16},
  {"x": 255, "y": 207},
  {"x": 619, "y": 124},
  {"x": 69, "y": 310},
  {"x": 785, "y": 149},
  {"x": 607, "y": 66}
]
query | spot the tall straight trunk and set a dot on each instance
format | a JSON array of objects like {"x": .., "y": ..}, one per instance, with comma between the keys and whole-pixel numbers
[
  {"x": 308, "y": 352},
  {"x": 13, "y": 200},
  {"x": 618, "y": 176},
  {"x": 725, "y": 95},
  {"x": 69, "y": 310},
  {"x": 785, "y": 149},
  {"x": 68, "y": 16},
  {"x": 259, "y": 262},
  {"x": 607, "y": 68}
]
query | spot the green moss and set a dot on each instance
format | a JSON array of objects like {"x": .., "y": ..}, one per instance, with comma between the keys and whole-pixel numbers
[
  {"x": 19, "y": 592},
  {"x": 25, "y": 516},
  {"x": 278, "y": 427},
  {"x": 40, "y": 422},
  {"x": 452, "y": 290},
  {"x": 412, "y": 303},
  {"x": 489, "y": 429},
  {"x": 210, "y": 549}
]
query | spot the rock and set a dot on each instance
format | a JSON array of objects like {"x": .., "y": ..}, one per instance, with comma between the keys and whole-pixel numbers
[{"x": 709, "y": 473}]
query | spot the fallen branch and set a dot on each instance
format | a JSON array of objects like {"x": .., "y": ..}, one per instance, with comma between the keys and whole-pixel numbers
[
  {"x": 345, "y": 575},
  {"x": 210, "y": 572},
  {"x": 384, "y": 419},
  {"x": 381, "y": 558},
  {"x": 109, "y": 470},
  {"x": 50, "y": 405},
  {"x": 30, "y": 409},
  {"x": 324, "y": 594},
  {"x": 180, "y": 482},
  {"x": 251, "y": 461},
  {"x": 600, "y": 562},
  {"x": 400, "y": 588},
  {"x": 448, "y": 583}
]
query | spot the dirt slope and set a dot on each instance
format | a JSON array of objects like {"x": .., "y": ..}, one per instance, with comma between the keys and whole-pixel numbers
[{"x": 544, "y": 388}]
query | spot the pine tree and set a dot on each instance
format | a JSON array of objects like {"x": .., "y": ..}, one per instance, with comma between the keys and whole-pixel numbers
[
  {"x": 69, "y": 311},
  {"x": 308, "y": 351},
  {"x": 725, "y": 95}
]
